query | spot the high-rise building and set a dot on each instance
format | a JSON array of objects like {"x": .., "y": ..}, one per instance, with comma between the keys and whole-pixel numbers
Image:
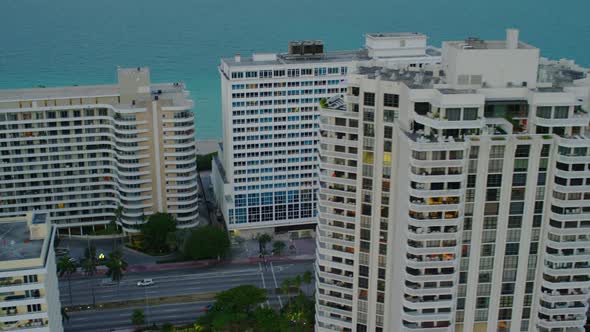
[
  {"x": 29, "y": 295},
  {"x": 265, "y": 176},
  {"x": 456, "y": 197},
  {"x": 81, "y": 152}
]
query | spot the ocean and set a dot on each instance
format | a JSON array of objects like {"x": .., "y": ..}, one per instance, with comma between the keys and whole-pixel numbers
[{"x": 67, "y": 42}]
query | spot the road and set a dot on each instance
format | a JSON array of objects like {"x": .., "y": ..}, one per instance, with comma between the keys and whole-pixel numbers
[{"x": 170, "y": 283}]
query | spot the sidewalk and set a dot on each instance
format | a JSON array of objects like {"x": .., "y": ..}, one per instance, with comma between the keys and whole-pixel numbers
[{"x": 102, "y": 270}]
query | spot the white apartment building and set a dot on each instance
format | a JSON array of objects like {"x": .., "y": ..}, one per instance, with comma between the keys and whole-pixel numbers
[
  {"x": 456, "y": 197},
  {"x": 81, "y": 152},
  {"x": 29, "y": 294},
  {"x": 265, "y": 176}
]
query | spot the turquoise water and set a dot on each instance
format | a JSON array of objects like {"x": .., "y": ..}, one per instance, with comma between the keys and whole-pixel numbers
[{"x": 66, "y": 42}]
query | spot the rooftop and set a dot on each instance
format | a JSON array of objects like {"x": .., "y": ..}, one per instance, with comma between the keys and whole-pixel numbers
[
  {"x": 396, "y": 35},
  {"x": 285, "y": 58},
  {"x": 167, "y": 91},
  {"x": 80, "y": 91},
  {"x": 561, "y": 73},
  {"x": 59, "y": 92},
  {"x": 415, "y": 79},
  {"x": 479, "y": 44},
  {"x": 16, "y": 243}
]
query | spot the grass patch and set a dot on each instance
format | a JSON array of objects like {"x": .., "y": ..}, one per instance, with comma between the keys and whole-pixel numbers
[
  {"x": 182, "y": 328},
  {"x": 107, "y": 231},
  {"x": 177, "y": 259},
  {"x": 141, "y": 302},
  {"x": 204, "y": 161},
  {"x": 151, "y": 253}
]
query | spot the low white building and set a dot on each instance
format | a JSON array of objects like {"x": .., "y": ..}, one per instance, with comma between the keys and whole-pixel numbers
[{"x": 29, "y": 293}]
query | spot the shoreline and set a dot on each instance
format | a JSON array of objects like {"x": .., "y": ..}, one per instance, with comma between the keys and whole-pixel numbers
[{"x": 207, "y": 146}]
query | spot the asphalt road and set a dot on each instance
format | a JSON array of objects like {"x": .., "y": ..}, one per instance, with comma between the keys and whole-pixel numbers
[{"x": 170, "y": 283}]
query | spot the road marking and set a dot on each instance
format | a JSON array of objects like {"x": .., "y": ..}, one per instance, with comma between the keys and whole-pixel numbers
[
  {"x": 276, "y": 284},
  {"x": 263, "y": 282}
]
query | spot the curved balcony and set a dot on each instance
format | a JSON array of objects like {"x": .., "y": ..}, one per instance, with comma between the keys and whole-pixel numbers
[
  {"x": 439, "y": 123},
  {"x": 575, "y": 120},
  {"x": 565, "y": 322}
]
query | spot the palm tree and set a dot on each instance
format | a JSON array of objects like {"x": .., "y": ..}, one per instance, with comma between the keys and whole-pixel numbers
[
  {"x": 263, "y": 239},
  {"x": 90, "y": 261},
  {"x": 137, "y": 317},
  {"x": 64, "y": 315},
  {"x": 307, "y": 276},
  {"x": 118, "y": 215},
  {"x": 116, "y": 221},
  {"x": 278, "y": 247},
  {"x": 285, "y": 287},
  {"x": 66, "y": 266},
  {"x": 116, "y": 266},
  {"x": 297, "y": 283}
]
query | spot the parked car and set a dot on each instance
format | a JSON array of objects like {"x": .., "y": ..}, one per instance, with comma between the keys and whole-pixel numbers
[{"x": 145, "y": 282}]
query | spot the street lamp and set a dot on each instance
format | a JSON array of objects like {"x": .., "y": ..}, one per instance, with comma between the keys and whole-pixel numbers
[{"x": 147, "y": 306}]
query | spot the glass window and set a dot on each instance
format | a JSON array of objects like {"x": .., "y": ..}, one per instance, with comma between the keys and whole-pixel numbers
[
  {"x": 544, "y": 112},
  {"x": 495, "y": 165},
  {"x": 497, "y": 151},
  {"x": 519, "y": 179},
  {"x": 521, "y": 165},
  {"x": 561, "y": 112},
  {"x": 390, "y": 100},
  {"x": 522, "y": 151},
  {"x": 369, "y": 99},
  {"x": 453, "y": 114},
  {"x": 470, "y": 113}
]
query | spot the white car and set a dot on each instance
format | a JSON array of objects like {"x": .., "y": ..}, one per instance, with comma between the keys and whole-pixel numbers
[{"x": 145, "y": 282}]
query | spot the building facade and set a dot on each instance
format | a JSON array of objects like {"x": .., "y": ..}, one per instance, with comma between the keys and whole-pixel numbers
[
  {"x": 29, "y": 294},
  {"x": 455, "y": 198},
  {"x": 82, "y": 152},
  {"x": 265, "y": 176}
]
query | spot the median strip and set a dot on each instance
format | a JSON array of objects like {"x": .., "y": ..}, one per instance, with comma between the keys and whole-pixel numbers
[{"x": 142, "y": 302}]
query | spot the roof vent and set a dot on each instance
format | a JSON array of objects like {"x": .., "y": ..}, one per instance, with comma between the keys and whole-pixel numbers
[{"x": 306, "y": 47}]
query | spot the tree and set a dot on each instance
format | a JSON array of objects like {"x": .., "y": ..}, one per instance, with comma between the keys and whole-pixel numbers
[
  {"x": 297, "y": 283},
  {"x": 235, "y": 309},
  {"x": 268, "y": 320},
  {"x": 137, "y": 317},
  {"x": 90, "y": 261},
  {"x": 299, "y": 313},
  {"x": 171, "y": 241},
  {"x": 116, "y": 266},
  {"x": 263, "y": 239},
  {"x": 64, "y": 315},
  {"x": 155, "y": 231},
  {"x": 167, "y": 327},
  {"x": 306, "y": 278},
  {"x": 66, "y": 266},
  {"x": 278, "y": 247},
  {"x": 116, "y": 221},
  {"x": 206, "y": 242},
  {"x": 241, "y": 299},
  {"x": 286, "y": 286}
]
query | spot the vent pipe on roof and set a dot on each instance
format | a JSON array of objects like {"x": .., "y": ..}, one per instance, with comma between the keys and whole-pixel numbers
[{"x": 512, "y": 39}]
